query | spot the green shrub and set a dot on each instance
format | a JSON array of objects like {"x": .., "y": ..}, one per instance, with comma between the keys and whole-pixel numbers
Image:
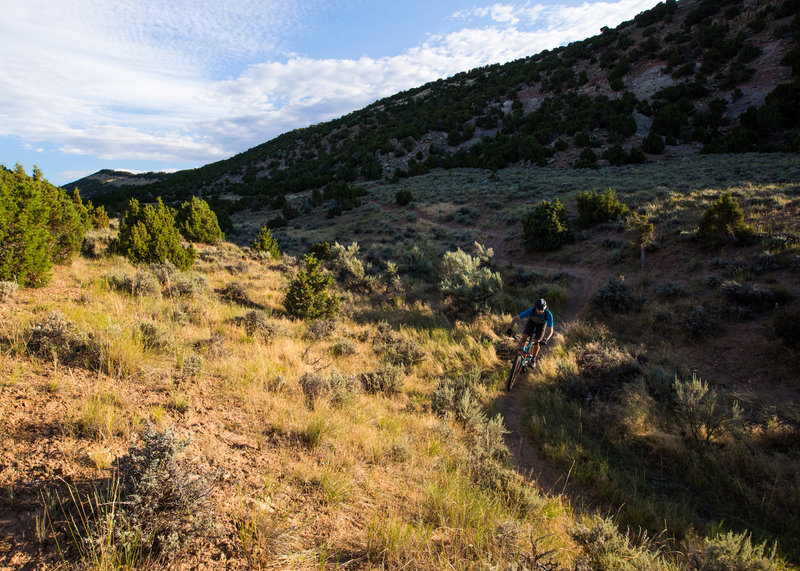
[
  {"x": 139, "y": 283},
  {"x": 614, "y": 297},
  {"x": 465, "y": 281},
  {"x": 403, "y": 197},
  {"x": 197, "y": 222},
  {"x": 604, "y": 547},
  {"x": 653, "y": 143},
  {"x": 98, "y": 218},
  {"x": 56, "y": 337},
  {"x": 723, "y": 222},
  {"x": 587, "y": 159},
  {"x": 164, "y": 272},
  {"x": 7, "y": 290},
  {"x": 749, "y": 296},
  {"x": 733, "y": 551},
  {"x": 344, "y": 347},
  {"x": 163, "y": 502},
  {"x": 399, "y": 350},
  {"x": 706, "y": 411},
  {"x": 39, "y": 225},
  {"x": 147, "y": 234},
  {"x": 594, "y": 208},
  {"x": 337, "y": 388},
  {"x": 152, "y": 335},
  {"x": 308, "y": 296},
  {"x": 546, "y": 227},
  {"x": 416, "y": 262},
  {"x": 322, "y": 251},
  {"x": 345, "y": 263},
  {"x": 257, "y": 323},
  {"x": 387, "y": 380},
  {"x": 235, "y": 292},
  {"x": 787, "y": 326},
  {"x": 265, "y": 242},
  {"x": 698, "y": 322}
]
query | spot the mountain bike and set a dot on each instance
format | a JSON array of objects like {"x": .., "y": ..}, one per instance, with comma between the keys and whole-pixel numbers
[{"x": 522, "y": 361}]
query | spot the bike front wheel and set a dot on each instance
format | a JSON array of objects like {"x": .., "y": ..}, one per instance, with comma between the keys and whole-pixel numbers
[{"x": 516, "y": 367}]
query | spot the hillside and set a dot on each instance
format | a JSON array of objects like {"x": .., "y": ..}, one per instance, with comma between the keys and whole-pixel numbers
[
  {"x": 682, "y": 78},
  {"x": 161, "y": 419},
  {"x": 385, "y": 438}
]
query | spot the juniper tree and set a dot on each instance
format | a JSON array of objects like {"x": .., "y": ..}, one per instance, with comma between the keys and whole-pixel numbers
[
  {"x": 265, "y": 242},
  {"x": 197, "y": 222},
  {"x": 546, "y": 227},
  {"x": 308, "y": 296},
  {"x": 147, "y": 234}
]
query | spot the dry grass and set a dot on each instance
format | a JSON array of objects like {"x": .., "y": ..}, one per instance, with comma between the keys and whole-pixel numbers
[{"x": 373, "y": 479}]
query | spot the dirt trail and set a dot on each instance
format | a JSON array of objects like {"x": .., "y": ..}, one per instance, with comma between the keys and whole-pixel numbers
[{"x": 526, "y": 456}]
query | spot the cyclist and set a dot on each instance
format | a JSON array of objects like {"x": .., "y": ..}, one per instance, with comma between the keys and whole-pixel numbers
[{"x": 539, "y": 327}]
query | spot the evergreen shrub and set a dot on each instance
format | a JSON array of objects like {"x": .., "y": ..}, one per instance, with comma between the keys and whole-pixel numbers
[
  {"x": 547, "y": 227},
  {"x": 594, "y": 208},
  {"x": 39, "y": 226},
  {"x": 653, "y": 144},
  {"x": 308, "y": 296},
  {"x": 265, "y": 242},
  {"x": 723, "y": 223},
  {"x": 197, "y": 222},
  {"x": 404, "y": 197},
  {"x": 147, "y": 234}
]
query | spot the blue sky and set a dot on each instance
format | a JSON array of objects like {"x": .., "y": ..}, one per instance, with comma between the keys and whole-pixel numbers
[{"x": 147, "y": 85}]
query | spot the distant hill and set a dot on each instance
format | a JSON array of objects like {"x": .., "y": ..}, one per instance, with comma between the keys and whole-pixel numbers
[
  {"x": 682, "y": 78},
  {"x": 100, "y": 182}
]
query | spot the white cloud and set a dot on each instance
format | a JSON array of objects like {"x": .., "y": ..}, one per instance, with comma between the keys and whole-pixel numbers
[{"x": 139, "y": 79}]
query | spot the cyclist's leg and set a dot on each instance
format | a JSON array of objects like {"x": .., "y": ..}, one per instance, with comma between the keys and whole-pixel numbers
[{"x": 536, "y": 334}]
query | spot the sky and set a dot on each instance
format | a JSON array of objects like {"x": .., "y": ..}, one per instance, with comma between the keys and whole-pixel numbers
[{"x": 148, "y": 85}]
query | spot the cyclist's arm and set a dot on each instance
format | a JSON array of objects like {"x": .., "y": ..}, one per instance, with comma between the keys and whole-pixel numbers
[{"x": 521, "y": 316}]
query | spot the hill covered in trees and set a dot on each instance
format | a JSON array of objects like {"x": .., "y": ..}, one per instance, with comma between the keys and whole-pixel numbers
[{"x": 682, "y": 78}]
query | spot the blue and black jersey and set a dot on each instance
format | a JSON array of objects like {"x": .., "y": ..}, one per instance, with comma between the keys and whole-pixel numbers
[{"x": 546, "y": 318}]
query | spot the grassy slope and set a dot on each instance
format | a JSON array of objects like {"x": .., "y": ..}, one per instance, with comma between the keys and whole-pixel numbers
[{"x": 383, "y": 480}]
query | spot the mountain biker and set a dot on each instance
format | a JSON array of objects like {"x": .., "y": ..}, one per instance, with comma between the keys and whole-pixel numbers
[{"x": 539, "y": 325}]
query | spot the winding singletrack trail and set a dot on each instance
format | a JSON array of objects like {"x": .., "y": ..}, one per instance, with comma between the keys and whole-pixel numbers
[{"x": 527, "y": 458}]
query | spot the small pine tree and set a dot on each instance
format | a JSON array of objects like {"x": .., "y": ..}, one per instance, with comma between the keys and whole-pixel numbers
[
  {"x": 723, "y": 222},
  {"x": 147, "y": 234},
  {"x": 546, "y": 227},
  {"x": 308, "y": 296},
  {"x": 265, "y": 242},
  {"x": 198, "y": 223}
]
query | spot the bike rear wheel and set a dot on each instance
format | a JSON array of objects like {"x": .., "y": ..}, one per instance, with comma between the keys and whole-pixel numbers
[{"x": 516, "y": 367}]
